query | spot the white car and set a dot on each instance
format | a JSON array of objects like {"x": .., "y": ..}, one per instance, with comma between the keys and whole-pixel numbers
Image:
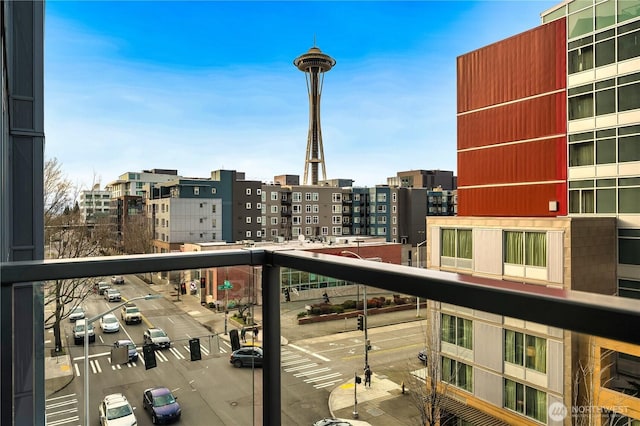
[
  {"x": 109, "y": 324},
  {"x": 117, "y": 279},
  {"x": 115, "y": 410},
  {"x": 76, "y": 314}
]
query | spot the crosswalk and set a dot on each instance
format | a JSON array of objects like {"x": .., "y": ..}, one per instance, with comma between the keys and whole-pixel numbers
[
  {"x": 98, "y": 363},
  {"x": 62, "y": 410},
  {"x": 301, "y": 366}
]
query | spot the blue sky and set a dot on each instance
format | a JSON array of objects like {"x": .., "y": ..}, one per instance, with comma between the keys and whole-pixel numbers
[{"x": 199, "y": 86}]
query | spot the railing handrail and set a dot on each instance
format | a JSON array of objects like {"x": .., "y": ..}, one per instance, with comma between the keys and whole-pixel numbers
[{"x": 590, "y": 313}]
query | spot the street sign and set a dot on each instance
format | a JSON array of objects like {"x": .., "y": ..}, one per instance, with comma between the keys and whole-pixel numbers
[{"x": 226, "y": 286}]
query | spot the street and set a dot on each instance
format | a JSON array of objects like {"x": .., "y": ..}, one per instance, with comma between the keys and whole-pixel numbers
[{"x": 315, "y": 360}]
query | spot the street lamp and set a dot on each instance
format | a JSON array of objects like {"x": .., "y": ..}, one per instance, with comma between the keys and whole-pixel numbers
[
  {"x": 87, "y": 324},
  {"x": 364, "y": 311},
  {"x": 418, "y": 265}
]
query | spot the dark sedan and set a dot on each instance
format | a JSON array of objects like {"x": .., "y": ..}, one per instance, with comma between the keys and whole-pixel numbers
[
  {"x": 248, "y": 356},
  {"x": 161, "y": 404}
]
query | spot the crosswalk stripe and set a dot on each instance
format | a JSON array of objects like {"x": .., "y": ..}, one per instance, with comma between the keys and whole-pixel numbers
[
  {"x": 308, "y": 373},
  {"x": 301, "y": 367},
  {"x": 176, "y": 353},
  {"x": 298, "y": 361},
  {"x": 317, "y": 379}
]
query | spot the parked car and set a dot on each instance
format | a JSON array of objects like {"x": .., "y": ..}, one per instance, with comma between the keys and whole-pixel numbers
[
  {"x": 115, "y": 410},
  {"x": 109, "y": 323},
  {"x": 101, "y": 287},
  {"x": 422, "y": 356},
  {"x": 112, "y": 295},
  {"x": 156, "y": 337},
  {"x": 250, "y": 356},
  {"x": 133, "y": 352},
  {"x": 117, "y": 279},
  {"x": 78, "y": 332},
  {"x": 161, "y": 404},
  {"x": 332, "y": 422},
  {"x": 130, "y": 313},
  {"x": 76, "y": 314}
]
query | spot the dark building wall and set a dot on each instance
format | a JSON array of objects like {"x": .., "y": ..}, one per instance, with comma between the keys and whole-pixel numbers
[{"x": 512, "y": 151}]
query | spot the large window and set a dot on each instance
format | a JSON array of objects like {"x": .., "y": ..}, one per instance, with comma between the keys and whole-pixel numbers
[
  {"x": 457, "y": 374},
  {"x": 629, "y": 246},
  {"x": 525, "y": 248},
  {"x": 457, "y": 331},
  {"x": 527, "y": 351},
  {"x": 525, "y": 400},
  {"x": 457, "y": 243}
]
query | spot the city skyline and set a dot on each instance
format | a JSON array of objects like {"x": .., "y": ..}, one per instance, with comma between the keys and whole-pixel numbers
[{"x": 201, "y": 86}]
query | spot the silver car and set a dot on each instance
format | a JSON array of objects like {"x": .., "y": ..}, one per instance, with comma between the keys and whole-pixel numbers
[
  {"x": 76, "y": 314},
  {"x": 112, "y": 295},
  {"x": 156, "y": 337}
]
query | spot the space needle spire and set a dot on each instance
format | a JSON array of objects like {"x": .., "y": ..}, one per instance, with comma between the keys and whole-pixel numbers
[{"x": 314, "y": 64}]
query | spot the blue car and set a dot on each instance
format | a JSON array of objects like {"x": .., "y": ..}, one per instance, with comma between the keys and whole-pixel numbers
[{"x": 162, "y": 405}]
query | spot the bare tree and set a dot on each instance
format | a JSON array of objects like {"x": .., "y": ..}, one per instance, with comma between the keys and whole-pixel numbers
[
  {"x": 68, "y": 237},
  {"x": 137, "y": 235},
  {"x": 594, "y": 370},
  {"x": 427, "y": 390}
]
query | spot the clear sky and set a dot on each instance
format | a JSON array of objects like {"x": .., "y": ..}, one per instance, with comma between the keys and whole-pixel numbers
[{"x": 200, "y": 85}]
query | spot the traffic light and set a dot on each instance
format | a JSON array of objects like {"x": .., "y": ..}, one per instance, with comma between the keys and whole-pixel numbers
[
  {"x": 360, "y": 322},
  {"x": 358, "y": 380},
  {"x": 194, "y": 349},
  {"x": 149, "y": 354}
]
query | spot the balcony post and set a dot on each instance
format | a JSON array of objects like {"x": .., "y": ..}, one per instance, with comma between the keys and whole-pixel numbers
[{"x": 271, "y": 391}]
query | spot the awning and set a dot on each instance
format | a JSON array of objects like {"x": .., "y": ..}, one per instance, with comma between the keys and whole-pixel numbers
[{"x": 469, "y": 414}]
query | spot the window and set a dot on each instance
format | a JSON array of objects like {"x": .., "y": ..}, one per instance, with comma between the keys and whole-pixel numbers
[
  {"x": 248, "y": 191},
  {"x": 581, "y": 154},
  {"x": 307, "y": 208},
  {"x": 525, "y": 248},
  {"x": 356, "y": 197},
  {"x": 525, "y": 400},
  {"x": 336, "y": 219},
  {"x": 336, "y": 230},
  {"x": 316, "y": 208},
  {"x": 196, "y": 190},
  {"x": 629, "y": 246},
  {"x": 457, "y": 243},
  {"x": 247, "y": 234},
  {"x": 213, "y": 190},
  {"x": 248, "y": 219},
  {"x": 295, "y": 231},
  {"x": 259, "y": 219},
  {"x": 258, "y": 233},
  {"x": 527, "y": 351},
  {"x": 315, "y": 196},
  {"x": 296, "y": 197},
  {"x": 214, "y": 223},
  {"x": 274, "y": 209},
  {"x": 274, "y": 232},
  {"x": 213, "y": 208},
  {"x": 457, "y": 331},
  {"x": 580, "y": 59},
  {"x": 629, "y": 97},
  {"x": 258, "y": 191},
  {"x": 307, "y": 196},
  {"x": 307, "y": 220},
  {"x": 324, "y": 230},
  {"x": 296, "y": 208},
  {"x": 394, "y": 197},
  {"x": 274, "y": 196},
  {"x": 316, "y": 220},
  {"x": 296, "y": 220},
  {"x": 629, "y": 46},
  {"x": 274, "y": 220},
  {"x": 336, "y": 208},
  {"x": 247, "y": 206},
  {"x": 336, "y": 197},
  {"x": 258, "y": 206},
  {"x": 458, "y": 374},
  {"x": 581, "y": 106},
  {"x": 307, "y": 230}
]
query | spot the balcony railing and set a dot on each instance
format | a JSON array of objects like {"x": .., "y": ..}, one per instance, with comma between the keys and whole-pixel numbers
[{"x": 599, "y": 315}]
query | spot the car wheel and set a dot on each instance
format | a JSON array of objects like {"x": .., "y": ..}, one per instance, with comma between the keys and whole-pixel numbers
[
  {"x": 154, "y": 419},
  {"x": 237, "y": 363}
]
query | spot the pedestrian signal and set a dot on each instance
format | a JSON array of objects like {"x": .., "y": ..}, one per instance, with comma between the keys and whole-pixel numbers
[{"x": 361, "y": 322}]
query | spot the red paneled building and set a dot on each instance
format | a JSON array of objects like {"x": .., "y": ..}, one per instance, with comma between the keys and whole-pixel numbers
[{"x": 512, "y": 150}]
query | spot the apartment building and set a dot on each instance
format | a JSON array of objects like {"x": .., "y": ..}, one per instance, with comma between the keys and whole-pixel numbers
[
  {"x": 548, "y": 166},
  {"x": 133, "y": 183},
  {"x": 94, "y": 203}
]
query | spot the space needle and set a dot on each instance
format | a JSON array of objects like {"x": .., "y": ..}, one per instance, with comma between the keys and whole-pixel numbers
[{"x": 314, "y": 64}]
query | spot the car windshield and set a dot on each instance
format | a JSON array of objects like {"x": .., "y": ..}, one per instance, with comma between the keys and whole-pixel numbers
[
  {"x": 77, "y": 310},
  {"x": 110, "y": 320},
  {"x": 158, "y": 333},
  {"x": 132, "y": 310},
  {"x": 117, "y": 412},
  {"x": 165, "y": 399}
]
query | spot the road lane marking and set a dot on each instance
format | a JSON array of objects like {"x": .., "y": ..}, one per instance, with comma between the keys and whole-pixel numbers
[
  {"x": 177, "y": 353},
  {"x": 300, "y": 367},
  {"x": 310, "y": 353},
  {"x": 74, "y": 419},
  {"x": 327, "y": 384},
  {"x": 308, "y": 373},
  {"x": 77, "y": 370}
]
